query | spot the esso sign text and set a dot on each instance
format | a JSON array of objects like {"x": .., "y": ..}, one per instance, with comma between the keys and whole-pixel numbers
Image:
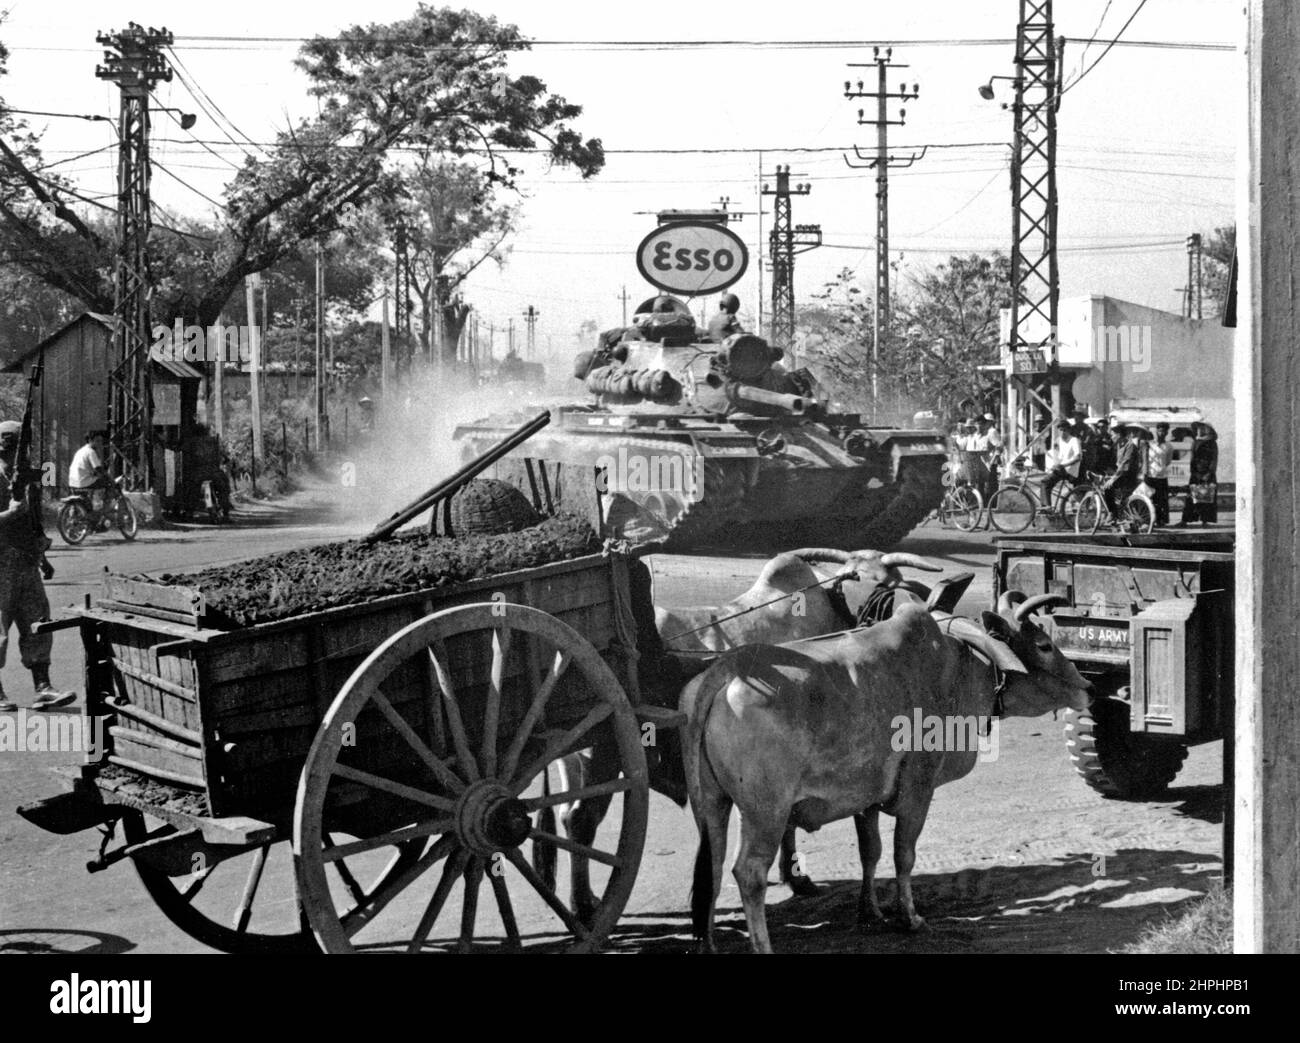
[{"x": 692, "y": 258}]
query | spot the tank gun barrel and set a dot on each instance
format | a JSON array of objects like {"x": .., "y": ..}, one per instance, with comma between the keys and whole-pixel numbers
[{"x": 747, "y": 394}]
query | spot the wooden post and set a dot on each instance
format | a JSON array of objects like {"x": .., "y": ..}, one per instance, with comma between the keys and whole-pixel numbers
[{"x": 1266, "y": 894}]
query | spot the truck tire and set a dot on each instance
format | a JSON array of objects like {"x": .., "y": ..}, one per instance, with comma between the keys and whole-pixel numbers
[{"x": 1114, "y": 761}]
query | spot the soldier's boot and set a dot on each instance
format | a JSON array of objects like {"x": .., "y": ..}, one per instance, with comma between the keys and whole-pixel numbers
[
  {"x": 47, "y": 696},
  {"x": 7, "y": 705}
]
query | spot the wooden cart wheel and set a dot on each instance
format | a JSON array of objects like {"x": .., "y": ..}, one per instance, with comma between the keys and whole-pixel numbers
[
  {"x": 465, "y": 779},
  {"x": 184, "y": 893}
]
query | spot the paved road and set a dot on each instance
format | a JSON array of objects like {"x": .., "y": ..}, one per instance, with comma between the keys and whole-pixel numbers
[{"x": 1018, "y": 856}]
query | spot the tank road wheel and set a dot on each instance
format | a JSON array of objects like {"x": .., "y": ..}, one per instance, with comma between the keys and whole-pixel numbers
[
  {"x": 1114, "y": 761},
  {"x": 215, "y": 902},
  {"x": 442, "y": 732}
]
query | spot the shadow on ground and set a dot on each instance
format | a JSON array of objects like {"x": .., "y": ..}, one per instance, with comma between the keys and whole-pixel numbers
[{"x": 1075, "y": 904}]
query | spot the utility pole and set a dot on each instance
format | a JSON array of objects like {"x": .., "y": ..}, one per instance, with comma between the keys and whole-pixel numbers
[
  {"x": 530, "y": 317},
  {"x": 1035, "y": 280},
  {"x": 402, "y": 295},
  {"x": 133, "y": 60},
  {"x": 623, "y": 298},
  {"x": 320, "y": 345},
  {"x": 297, "y": 343},
  {"x": 881, "y": 164},
  {"x": 1193, "y": 298},
  {"x": 786, "y": 240},
  {"x": 251, "y": 284},
  {"x": 385, "y": 351},
  {"x": 510, "y": 334}
]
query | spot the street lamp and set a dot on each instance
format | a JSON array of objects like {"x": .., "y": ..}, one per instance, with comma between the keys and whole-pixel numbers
[
  {"x": 187, "y": 120},
  {"x": 986, "y": 89}
]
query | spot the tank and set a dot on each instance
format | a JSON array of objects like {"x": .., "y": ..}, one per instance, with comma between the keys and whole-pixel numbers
[{"x": 687, "y": 443}]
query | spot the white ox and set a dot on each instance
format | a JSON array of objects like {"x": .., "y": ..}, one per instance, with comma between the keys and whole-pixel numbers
[
  {"x": 804, "y": 733},
  {"x": 797, "y": 594}
]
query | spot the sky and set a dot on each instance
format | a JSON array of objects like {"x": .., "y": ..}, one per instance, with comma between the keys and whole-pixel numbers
[{"x": 1145, "y": 140}]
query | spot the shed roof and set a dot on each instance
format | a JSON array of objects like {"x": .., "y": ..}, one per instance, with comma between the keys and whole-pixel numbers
[{"x": 180, "y": 370}]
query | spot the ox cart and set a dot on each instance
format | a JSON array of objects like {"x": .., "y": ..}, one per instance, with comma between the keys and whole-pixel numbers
[
  {"x": 375, "y": 768},
  {"x": 1150, "y": 622}
]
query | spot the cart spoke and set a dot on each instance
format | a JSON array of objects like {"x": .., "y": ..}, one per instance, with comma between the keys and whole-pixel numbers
[
  {"x": 449, "y": 873},
  {"x": 389, "y": 839},
  {"x": 548, "y": 896},
  {"x": 438, "y": 658},
  {"x": 574, "y": 848},
  {"x": 378, "y": 900},
  {"x": 534, "y": 714},
  {"x": 507, "y": 910},
  {"x": 357, "y": 892},
  {"x": 557, "y": 747},
  {"x": 469, "y": 910},
  {"x": 196, "y": 885},
  {"x": 396, "y": 788},
  {"x": 440, "y": 771},
  {"x": 245, "y": 911},
  {"x": 584, "y": 793},
  {"x": 492, "y": 711}
]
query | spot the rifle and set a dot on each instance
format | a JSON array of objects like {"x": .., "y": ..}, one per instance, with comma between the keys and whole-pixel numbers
[{"x": 27, "y": 479}]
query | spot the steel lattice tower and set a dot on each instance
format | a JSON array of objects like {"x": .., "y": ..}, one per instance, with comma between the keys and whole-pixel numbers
[
  {"x": 135, "y": 63},
  {"x": 402, "y": 294},
  {"x": 1035, "y": 281},
  {"x": 782, "y": 243}
]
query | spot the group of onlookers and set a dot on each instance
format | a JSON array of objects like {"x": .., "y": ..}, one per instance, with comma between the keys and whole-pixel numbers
[{"x": 1127, "y": 455}]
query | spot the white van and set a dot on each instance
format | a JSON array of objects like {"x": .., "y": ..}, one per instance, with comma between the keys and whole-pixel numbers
[{"x": 1180, "y": 421}]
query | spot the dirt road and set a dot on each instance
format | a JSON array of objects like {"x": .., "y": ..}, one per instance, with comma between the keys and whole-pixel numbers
[{"x": 1019, "y": 856}]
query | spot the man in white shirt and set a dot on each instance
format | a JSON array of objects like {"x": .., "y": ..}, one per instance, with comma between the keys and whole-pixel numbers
[
  {"x": 86, "y": 471},
  {"x": 1159, "y": 455},
  {"x": 988, "y": 443},
  {"x": 1069, "y": 454}
]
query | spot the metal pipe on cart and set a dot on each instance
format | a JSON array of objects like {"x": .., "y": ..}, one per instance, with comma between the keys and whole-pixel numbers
[{"x": 448, "y": 486}]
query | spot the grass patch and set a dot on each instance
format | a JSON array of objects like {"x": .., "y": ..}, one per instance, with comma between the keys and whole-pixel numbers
[{"x": 1202, "y": 928}]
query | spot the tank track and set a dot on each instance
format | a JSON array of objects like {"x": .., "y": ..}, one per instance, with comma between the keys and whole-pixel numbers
[{"x": 920, "y": 491}]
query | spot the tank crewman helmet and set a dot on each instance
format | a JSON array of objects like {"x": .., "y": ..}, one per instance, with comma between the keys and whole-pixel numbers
[
  {"x": 729, "y": 302},
  {"x": 10, "y": 432}
]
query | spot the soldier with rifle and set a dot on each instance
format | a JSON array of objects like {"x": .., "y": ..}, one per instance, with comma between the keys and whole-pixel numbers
[{"x": 22, "y": 558}]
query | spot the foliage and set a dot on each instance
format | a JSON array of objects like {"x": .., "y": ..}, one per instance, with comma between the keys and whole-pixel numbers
[
  {"x": 435, "y": 83},
  {"x": 944, "y": 326},
  {"x": 1216, "y": 249}
]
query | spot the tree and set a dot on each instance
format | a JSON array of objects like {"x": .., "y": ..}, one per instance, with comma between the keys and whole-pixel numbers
[
  {"x": 1217, "y": 248},
  {"x": 944, "y": 326},
  {"x": 436, "y": 82}
]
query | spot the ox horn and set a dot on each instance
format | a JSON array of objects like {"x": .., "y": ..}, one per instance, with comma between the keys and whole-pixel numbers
[
  {"x": 1027, "y": 608},
  {"x": 1008, "y": 601},
  {"x": 816, "y": 554},
  {"x": 913, "y": 561}
]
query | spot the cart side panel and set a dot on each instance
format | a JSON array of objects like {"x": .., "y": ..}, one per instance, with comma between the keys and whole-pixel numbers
[{"x": 265, "y": 694}]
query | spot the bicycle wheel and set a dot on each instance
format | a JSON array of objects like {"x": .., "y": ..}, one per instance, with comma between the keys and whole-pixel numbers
[
  {"x": 128, "y": 523},
  {"x": 962, "y": 507},
  {"x": 1090, "y": 513},
  {"x": 1011, "y": 509},
  {"x": 1140, "y": 514}
]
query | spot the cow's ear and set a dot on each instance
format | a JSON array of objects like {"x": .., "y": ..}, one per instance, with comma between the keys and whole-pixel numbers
[{"x": 997, "y": 626}]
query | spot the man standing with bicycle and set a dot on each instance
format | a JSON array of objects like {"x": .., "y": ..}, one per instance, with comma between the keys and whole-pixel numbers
[{"x": 22, "y": 594}]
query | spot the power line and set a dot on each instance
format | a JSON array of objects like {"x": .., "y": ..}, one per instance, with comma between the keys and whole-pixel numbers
[
  {"x": 191, "y": 84},
  {"x": 196, "y": 191},
  {"x": 1079, "y": 78}
]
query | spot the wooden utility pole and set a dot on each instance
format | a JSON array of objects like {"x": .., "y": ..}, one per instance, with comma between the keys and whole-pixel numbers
[
  {"x": 251, "y": 284},
  {"x": 1266, "y": 891},
  {"x": 623, "y": 297},
  {"x": 384, "y": 351},
  {"x": 319, "y": 396}
]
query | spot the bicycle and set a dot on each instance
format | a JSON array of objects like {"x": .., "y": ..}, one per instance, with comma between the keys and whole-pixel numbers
[
  {"x": 78, "y": 517},
  {"x": 962, "y": 507},
  {"x": 1138, "y": 514},
  {"x": 1015, "y": 506}
]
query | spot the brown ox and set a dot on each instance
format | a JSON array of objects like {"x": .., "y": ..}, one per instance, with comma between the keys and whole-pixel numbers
[
  {"x": 805, "y": 733},
  {"x": 798, "y": 594}
]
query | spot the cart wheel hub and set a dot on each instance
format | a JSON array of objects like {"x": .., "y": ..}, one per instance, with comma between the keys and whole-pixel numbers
[{"x": 489, "y": 819}]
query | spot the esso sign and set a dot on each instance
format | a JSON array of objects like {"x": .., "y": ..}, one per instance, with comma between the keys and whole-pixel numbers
[{"x": 692, "y": 258}]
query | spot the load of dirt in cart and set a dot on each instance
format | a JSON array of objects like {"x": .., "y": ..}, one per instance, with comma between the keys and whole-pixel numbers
[{"x": 278, "y": 586}]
